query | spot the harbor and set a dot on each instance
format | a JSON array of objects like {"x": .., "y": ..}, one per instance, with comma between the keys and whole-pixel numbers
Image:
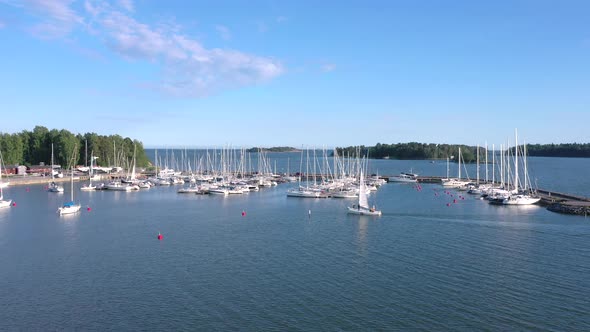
[
  {"x": 554, "y": 201},
  {"x": 257, "y": 260}
]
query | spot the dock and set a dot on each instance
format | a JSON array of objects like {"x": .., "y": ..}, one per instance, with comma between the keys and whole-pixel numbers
[{"x": 554, "y": 201}]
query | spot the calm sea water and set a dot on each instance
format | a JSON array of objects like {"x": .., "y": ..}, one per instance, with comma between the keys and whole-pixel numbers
[{"x": 423, "y": 265}]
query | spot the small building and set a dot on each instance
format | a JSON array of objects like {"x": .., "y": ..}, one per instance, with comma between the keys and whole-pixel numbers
[
  {"x": 39, "y": 170},
  {"x": 9, "y": 170}
]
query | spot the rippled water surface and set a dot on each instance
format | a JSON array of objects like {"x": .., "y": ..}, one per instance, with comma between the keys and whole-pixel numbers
[{"x": 422, "y": 265}]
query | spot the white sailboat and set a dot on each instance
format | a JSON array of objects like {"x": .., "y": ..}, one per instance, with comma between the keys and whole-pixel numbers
[
  {"x": 456, "y": 182},
  {"x": 305, "y": 192},
  {"x": 70, "y": 207},
  {"x": 521, "y": 197},
  {"x": 363, "y": 203},
  {"x": 3, "y": 202},
  {"x": 54, "y": 187},
  {"x": 90, "y": 186}
]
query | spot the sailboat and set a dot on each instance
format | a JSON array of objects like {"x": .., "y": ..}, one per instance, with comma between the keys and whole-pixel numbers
[
  {"x": 90, "y": 186},
  {"x": 456, "y": 182},
  {"x": 363, "y": 204},
  {"x": 3, "y": 203},
  {"x": 54, "y": 187},
  {"x": 524, "y": 196},
  {"x": 305, "y": 192},
  {"x": 70, "y": 207}
]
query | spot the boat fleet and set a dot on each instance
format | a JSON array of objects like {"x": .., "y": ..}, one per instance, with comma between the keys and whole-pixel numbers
[
  {"x": 230, "y": 173},
  {"x": 514, "y": 186}
]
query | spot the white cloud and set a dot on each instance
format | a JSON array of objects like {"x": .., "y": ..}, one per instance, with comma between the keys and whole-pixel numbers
[
  {"x": 281, "y": 19},
  {"x": 56, "y": 9},
  {"x": 57, "y": 18},
  {"x": 188, "y": 68},
  {"x": 223, "y": 32}
]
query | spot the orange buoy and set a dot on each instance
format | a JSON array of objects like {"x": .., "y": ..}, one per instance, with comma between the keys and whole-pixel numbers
[{"x": 160, "y": 236}]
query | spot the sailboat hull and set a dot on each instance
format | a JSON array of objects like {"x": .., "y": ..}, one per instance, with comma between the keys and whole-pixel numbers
[
  {"x": 521, "y": 200},
  {"x": 88, "y": 188},
  {"x": 69, "y": 209},
  {"x": 5, "y": 204},
  {"x": 363, "y": 211}
]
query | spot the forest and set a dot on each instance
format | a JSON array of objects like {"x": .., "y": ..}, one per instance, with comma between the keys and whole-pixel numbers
[
  {"x": 414, "y": 150},
  {"x": 34, "y": 147}
]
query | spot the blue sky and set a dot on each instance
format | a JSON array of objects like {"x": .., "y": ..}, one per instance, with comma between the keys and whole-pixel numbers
[{"x": 314, "y": 73}]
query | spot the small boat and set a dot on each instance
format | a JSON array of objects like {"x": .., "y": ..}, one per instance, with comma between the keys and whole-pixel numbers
[
  {"x": 118, "y": 186},
  {"x": 304, "y": 192},
  {"x": 344, "y": 193},
  {"x": 362, "y": 208},
  {"x": 90, "y": 186},
  {"x": 192, "y": 189},
  {"x": 54, "y": 187},
  {"x": 404, "y": 177},
  {"x": 219, "y": 191},
  {"x": 70, "y": 207}
]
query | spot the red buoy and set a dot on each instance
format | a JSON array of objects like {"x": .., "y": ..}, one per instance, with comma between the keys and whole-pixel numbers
[
  {"x": 160, "y": 236},
  {"x": 243, "y": 213},
  {"x": 88, "y": 208},
  {"x": 13, "y": 203},
  {"x": 454, "y": 201},
  {"x": 448, "y": 204}
]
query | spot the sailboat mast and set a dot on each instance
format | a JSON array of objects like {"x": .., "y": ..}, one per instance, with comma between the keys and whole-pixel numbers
[
  {"x": 477, "y": 164},
  {"x": 72, "y": 184},
  {"x": 493, "y": 164},
  {"x": 486, "y": 162},
  {"x": 459, "y": 174},
  {"x": 515, "y": 160}
]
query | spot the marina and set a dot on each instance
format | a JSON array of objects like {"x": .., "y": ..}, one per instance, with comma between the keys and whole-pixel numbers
[
  {"x": 263, "y": 260},
  {"x": 428, "y": 166},
  {"x": 555, "y": 201}
]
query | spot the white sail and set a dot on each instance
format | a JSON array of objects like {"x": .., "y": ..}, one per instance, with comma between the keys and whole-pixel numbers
[
  {"x": 363, "y": 201},
  {"x": 3, "y": 203}
]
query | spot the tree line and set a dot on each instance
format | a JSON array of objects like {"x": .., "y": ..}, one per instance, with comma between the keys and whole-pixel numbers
[
  {"x": 414, "y": 150},
  {"x": 559, "y": 150},
  {"x": 34, "y": 147}
]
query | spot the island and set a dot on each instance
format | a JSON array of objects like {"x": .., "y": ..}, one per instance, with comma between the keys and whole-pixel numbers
[{"x": 274, "y": 149}]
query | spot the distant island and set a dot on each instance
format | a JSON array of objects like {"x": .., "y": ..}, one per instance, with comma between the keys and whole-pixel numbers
[
  {"x": 414, "y": 150},
  {"x": 274, "y": 149}
]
